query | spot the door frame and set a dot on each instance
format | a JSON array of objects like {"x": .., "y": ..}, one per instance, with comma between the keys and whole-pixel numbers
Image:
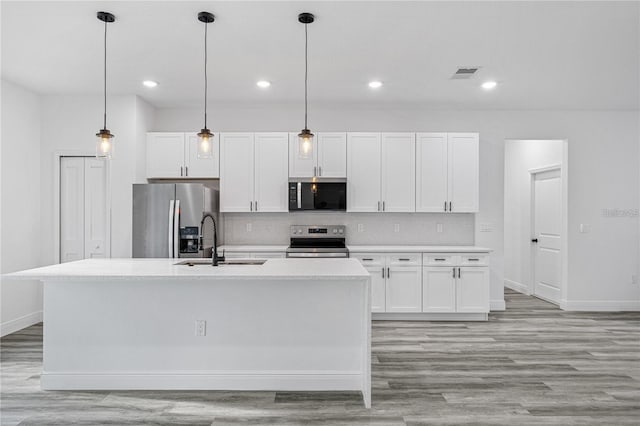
[
  {"x": 563, "y": 227},
  {"x": 57, "y": 158}
]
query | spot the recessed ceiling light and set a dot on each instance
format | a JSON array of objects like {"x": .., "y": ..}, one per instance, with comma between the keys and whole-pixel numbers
[
  {"x": 375, "y": 84},
  {"x": 488, "y": 85},
  {"x": 150, "y": 83},
  {"x": 263, "y": 84}
]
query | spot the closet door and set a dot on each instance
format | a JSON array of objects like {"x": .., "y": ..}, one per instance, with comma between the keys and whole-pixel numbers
[
  {"x": 95, "y": 208},
  {"x": 71, "y": 208}
]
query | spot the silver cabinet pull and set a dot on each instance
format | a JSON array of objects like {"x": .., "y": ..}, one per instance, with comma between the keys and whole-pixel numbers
[
  {"x": 458, "y": 272},
  {"x": 256, "y": 206},
  {"x": 367, "y": 259},
  {"x": 378, "y": 205},
  {"x": 186, "y": 170},
  {"x": 383, "y": 206},
  {"x": 404, "y": 259},
  {"x": 439, "y": 259},
  {"x": 388, "y": 272},
  {"x": 445, "y": 206},
  {"x": 454, "y": 272},
  {"x": 450, "y": 208},
  {"x": 314, "y": 170},
  {"x": 473, "y": 259},
  {"x": 319, "y": 170},
  {"x": 251, "y": 205},
  {"x": 382, "y": 272},
  {"x": 180, "y": 170}
]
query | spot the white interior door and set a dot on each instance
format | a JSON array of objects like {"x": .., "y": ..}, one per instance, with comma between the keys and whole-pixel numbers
[
  {"x": 95, "y": 208},
  {"x": 547, "y": 202},
  {"x": 71, "y": 209}
]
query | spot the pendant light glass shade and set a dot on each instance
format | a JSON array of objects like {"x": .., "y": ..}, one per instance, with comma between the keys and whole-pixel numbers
[
  {"x": 205, "y": 137},
  {"x": 205, "y": 144},
  {"x": 305, "y": 137},
  {"x": 305, "y": 144},
  {"x": 104, "y": 145}
]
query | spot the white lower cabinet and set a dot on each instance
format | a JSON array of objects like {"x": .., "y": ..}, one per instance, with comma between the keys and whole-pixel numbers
[
  {"x": 396, "y": 282},
  {"x": 462, "y": 289}
]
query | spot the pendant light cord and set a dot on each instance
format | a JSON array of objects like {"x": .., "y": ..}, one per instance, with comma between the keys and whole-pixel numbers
[
  {"x": 206, "y": 88},
  {"x": 105, "y": 75},
  {"x": 306, "y": 72}
]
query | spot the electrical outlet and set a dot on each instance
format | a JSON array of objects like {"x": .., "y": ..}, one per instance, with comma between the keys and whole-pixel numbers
[
  {"x": 201, "y": 328},
  {"x": 486, "y": 227},
  {"x": 585, "y": 228},
  {"x": 360, "y": 227},
  {"x": 249, "y": 227},
  {"x": 634, "y": 279},
  {"x": 396, "y": 227},
  {"x": 438, "y": 227}
]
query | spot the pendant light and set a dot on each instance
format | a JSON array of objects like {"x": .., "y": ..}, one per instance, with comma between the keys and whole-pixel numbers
[
  {"x": 104, "y": 145},
  {"x": 305, "y": 137},
  {"x": 205, "y": 137}
]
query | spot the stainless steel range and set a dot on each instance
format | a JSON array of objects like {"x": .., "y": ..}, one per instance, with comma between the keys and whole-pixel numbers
[{"x": 318, "y": 241}]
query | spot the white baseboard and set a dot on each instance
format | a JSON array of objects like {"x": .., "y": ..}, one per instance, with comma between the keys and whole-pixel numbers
[
  {"x": 25, "y": 321},
  {"x": 497, "y": 305},
  {"x": 203, "y": 381},
  {"x": 429, "y": 316},
  {"x": 516, "y": 286},
  {"x": 600, "y": 305}
]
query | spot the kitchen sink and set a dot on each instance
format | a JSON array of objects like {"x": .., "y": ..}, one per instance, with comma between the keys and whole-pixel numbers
[{"x": 207, "y": 262}]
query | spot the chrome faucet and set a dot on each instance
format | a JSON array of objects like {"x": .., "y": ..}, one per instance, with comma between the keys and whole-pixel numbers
[{"x": 214, "y": 258}]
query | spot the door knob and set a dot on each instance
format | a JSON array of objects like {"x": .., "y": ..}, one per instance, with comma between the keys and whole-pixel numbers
[{"x": 534, "y": 240}]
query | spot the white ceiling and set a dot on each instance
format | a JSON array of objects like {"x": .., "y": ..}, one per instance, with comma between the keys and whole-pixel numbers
[{"x": 545, "y": 55}]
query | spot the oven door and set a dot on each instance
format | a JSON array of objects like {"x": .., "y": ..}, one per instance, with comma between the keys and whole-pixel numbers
[{"x": 318, "y": 196}]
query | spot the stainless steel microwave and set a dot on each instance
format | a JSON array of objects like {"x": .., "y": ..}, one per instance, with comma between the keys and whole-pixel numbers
[{"x": 317, "y": 196}]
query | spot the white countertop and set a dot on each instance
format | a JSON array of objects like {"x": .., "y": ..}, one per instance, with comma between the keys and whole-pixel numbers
[
  {"x": 366, "y": 249},
  {"x": 144, "y": 269}
]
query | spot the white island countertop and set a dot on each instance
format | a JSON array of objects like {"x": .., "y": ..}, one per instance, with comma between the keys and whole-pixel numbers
[{"x": 145, "y": 269}]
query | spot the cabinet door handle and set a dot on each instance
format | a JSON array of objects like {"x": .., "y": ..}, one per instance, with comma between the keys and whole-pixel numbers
[
  {"x": 383, "y": 206},
  {"x": 445, "y": 206},
  {"x": 256, "y": 206},
  {"x": 454, "y": 272},
  {"x": 180, "y": 170},
  {"x": 382, "y": 272},
  {"x": 439, "y": 259},
  {"x": 367, "y": 259},
  {"x": 378, "y": 205},
  {"x": 450, "y": 208},
  {"x": 458, "y": 272},
  {"x": 251, "y": 205},
  {"x": 473, "y": 259},
  {"x": 319, "y": 170},
  {"x": 404, "y": 259},
  {"x": 186, "y": 170},
  {"x": 388, "y": 272},
  {"x": 314, "y": 170}
]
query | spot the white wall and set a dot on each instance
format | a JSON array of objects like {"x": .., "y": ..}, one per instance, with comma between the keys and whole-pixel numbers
[
  {"x": 603, "y": 172},
  {"x": 20, "y": 228},
  {"x": 521, "y": 156},
  {"x": 69, "y": 124}
]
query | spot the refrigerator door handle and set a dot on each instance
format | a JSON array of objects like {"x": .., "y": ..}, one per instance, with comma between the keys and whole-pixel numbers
[
  {"x": 176, "y": 230},
  {"x": 171, "y": 218}
]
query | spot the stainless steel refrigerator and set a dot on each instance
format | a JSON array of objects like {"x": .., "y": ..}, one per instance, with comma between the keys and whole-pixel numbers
[{"x": 166, "y": 219}]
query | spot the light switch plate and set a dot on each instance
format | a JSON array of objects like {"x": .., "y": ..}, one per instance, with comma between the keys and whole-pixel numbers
[
  {"x": 396, "y": 227},
  {"x": 360, "y": 227},
  {"x": 201, "y": 328},
  {"x": 485, "y": 227},
  {"x": 249, "y": 227},
  {"x": 438, "y": 227},
  {"x": 585, "y": 228}
]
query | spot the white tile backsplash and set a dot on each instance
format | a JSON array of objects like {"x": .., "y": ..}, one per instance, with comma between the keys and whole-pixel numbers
[{"x": 362, "y": 228}]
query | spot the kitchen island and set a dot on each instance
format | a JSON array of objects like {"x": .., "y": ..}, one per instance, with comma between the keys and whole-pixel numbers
[{"x": 287, "y": 324}]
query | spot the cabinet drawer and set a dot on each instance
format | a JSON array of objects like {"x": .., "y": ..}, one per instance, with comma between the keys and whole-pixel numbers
[
  {"x": 405, "y": 259},
  {"x": 368, "y": 259},
  {"x": 474, "y": 260},
  {"x": 431, "y": 259},
  {"x": 268, "y": 255}
]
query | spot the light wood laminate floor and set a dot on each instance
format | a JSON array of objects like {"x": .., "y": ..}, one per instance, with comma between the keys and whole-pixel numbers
[{"x": 530, "y": 365}]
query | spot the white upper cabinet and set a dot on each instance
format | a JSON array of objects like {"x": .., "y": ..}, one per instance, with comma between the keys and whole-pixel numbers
[
  {"x": 202, "y": 167},
  {"x": 381, "y": 172},
  {"x": 271, "y": 172},
  {"x": 464, "y": 176},
  {"x": 363, "y": 172},
  {"x": 253, "y": 172},
  {"x": 236, "y": 172},
  {"x": 176, "y": 155},
  {"x": 329, "y": 158},
  {"x": 398, "y": 172},
  {"x": 447, "y": 178}
]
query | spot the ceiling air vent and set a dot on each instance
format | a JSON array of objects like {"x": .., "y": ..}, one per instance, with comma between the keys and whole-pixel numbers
[{"x": 464, "y": 73}]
